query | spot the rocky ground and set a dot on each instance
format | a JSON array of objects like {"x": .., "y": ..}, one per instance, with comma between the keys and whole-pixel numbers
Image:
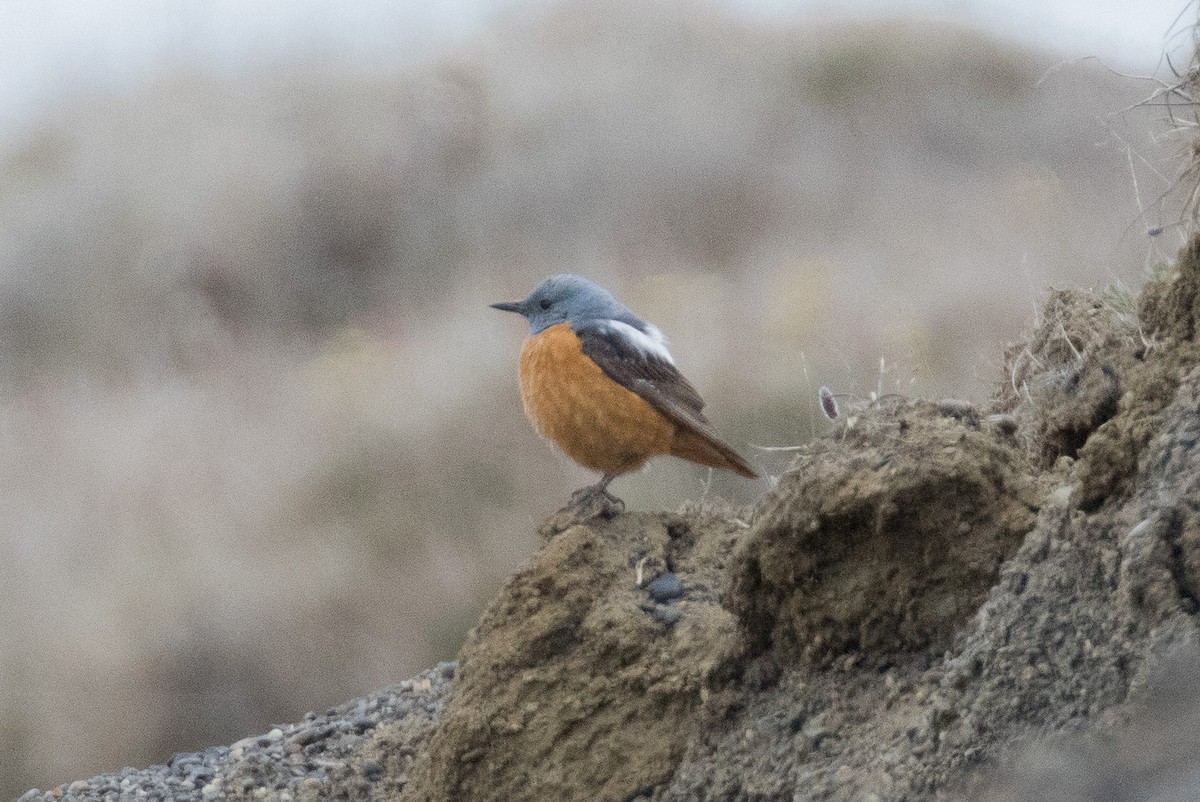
[
  {"x": 341, "y": 754},
  {"x": 937, "y": 601}
]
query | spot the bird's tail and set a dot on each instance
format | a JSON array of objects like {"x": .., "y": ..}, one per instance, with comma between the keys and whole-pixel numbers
[{"x": 704, "y": 448}]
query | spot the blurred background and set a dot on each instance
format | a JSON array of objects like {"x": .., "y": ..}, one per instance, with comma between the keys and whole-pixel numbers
[{"x": 263, "y": 447}]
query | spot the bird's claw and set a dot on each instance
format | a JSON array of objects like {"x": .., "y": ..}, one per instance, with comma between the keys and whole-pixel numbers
[
  {"x": 586, "y": 504},
  {"x": 593, "y": 501},
  {"x": 594, "y": 496}
]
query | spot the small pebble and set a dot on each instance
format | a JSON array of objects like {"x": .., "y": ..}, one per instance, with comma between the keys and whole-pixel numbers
[
  {"x": 1060, "y": 496},
  {"x": 665, "y": 587},
  {"x": 956, "y": 408},
  {"x": 1004, "y": 423},
  {"x": 245, "y": 743},
  {"x": 271, "y": 737},
  {"x": 312, "y": 734}
]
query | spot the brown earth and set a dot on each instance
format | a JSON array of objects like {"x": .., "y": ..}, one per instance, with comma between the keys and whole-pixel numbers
[
  {"x": 936, "y": 601},
  {"x": 927, "y": 590}
]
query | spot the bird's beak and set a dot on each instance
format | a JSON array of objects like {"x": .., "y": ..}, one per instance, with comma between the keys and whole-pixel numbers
[{"x": 508, "y": 306}]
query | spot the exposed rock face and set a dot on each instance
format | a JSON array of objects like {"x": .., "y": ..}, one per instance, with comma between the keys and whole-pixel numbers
[{"x": 935, "y": 602}]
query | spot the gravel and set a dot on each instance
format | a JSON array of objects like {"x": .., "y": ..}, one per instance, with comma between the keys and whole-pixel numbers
[{"x": 294, "y": 761}]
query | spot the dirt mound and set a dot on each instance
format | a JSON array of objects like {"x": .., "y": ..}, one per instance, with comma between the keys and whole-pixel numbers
[
  {"x": 884, "y": 537},
  {"x": 936, "y": 602},
  {"x": 1065, "y": 381},
  {"x": 1097, "y": 372},
  {"x": 1081, "y": 615},
  {"x": 1152, "y": 758},
  {"x": 585, "y": 674},
  {"x": 926, "y": 589},
  {"x": 1167, "y": 307}
]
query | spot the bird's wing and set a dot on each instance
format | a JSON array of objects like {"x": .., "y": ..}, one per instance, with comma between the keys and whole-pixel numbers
[{"x": 641, "y": 363}]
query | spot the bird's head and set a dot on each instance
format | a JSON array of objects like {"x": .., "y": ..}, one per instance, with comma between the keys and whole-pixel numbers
[{"x": 567, "y": 298}]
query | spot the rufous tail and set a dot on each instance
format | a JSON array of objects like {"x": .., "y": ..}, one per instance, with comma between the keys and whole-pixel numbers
[{"x": 701, "y": 447}]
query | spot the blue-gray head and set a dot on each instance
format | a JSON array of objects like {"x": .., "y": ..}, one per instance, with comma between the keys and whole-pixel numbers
[
  {"x": 588, "y": 308},
  {"x": 567, "y": 298}
]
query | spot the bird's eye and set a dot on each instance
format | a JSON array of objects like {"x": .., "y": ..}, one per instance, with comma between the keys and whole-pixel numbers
[{"x": 544, "y": 303}]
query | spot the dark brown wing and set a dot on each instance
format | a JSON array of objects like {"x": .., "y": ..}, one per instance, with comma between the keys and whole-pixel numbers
[
  {"x": 664, "y": 388},
  {"x": 654, "y": 379}
]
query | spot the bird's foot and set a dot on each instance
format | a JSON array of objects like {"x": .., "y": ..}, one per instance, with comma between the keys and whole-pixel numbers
[
  {"x": 593, "y": 501},
  {"x": 595, "y": 497},
  {"x": 586, "y": 504}
]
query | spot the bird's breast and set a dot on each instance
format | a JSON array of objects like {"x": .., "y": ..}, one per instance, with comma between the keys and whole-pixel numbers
[{"x": 596, "y": 421}]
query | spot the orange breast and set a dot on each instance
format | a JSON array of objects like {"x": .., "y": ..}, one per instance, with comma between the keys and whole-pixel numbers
[{"x": 596, "y": 421}]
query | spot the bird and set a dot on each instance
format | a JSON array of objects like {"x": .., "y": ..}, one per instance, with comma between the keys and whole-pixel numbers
[{"x": 600, "y": 383}]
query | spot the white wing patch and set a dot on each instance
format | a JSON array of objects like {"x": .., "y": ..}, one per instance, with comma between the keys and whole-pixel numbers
[{"x": 650, "y": 343}]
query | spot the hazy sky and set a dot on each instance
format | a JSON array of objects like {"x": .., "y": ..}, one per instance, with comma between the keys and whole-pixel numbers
[
  {"x": 51, "y": 46},
  {"x": 1133, "y": 31}
]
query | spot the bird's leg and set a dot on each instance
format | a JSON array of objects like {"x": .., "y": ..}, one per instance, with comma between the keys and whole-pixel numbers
[{"x": 601, "y": 488}]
